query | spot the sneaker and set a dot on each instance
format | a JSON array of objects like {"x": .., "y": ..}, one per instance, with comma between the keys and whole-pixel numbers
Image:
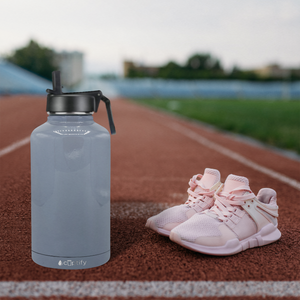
[
  {"x": 201, "y": 192},
  {"x": 238, "y": 220}
]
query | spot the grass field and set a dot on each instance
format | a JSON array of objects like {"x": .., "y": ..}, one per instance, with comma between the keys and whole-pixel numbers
[{"x": 276, "y": 123}]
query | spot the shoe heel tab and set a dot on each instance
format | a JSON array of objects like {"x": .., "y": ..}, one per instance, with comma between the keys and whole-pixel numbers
[{"x": 267, "y": 196}]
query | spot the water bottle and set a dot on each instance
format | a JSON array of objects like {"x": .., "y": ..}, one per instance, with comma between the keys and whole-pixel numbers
[{"x": 70, "y": 182}]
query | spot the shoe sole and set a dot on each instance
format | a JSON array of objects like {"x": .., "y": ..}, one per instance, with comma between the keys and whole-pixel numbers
[
  {"x": 150, "y": 224},
  {"x": 267, "y": 235}
]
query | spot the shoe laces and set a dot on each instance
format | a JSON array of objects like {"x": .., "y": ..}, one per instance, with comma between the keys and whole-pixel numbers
[
  {"x": 228, "y": 203},
  {"x": 195, "y": 198}
]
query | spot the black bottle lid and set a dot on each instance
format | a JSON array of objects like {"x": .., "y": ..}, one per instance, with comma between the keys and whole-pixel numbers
[{"x": 76, "y": 103}]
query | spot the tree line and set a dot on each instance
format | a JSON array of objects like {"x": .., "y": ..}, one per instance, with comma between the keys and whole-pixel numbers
[
  {"x": 203, "y": 66},
  {"x": 41, "y": 61}
]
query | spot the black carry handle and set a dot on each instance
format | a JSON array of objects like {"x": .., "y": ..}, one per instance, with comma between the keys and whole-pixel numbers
[{"x": 109, "y": 114}]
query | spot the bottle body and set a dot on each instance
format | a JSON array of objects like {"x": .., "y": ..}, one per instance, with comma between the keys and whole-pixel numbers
[{"x": 70, "y": 186}]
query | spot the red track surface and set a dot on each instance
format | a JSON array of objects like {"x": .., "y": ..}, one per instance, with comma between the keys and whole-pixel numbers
[{"x": 150, "y": 163}]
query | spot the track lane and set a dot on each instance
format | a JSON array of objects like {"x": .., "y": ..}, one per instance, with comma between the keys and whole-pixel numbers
[{"x": 145, "y": 155}]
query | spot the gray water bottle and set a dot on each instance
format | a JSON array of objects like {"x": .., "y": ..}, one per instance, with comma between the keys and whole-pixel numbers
[{"x": 70, "y": 182}]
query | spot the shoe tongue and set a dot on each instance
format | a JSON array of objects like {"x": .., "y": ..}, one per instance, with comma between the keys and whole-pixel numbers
[
  {"x": 209, "y": 179},
  {"x": 234, "y": 181}
]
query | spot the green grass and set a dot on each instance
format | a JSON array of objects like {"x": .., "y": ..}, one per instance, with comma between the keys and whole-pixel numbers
[{"x": 276, "y": 123}]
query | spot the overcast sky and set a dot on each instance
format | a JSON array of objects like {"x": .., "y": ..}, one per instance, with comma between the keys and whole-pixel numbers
[{"x": 248, "y": 33}]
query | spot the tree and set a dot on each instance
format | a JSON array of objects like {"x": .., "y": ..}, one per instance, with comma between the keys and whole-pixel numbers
[
  {"x": 203, "y": 62},
  {"x": 35, "y": 58},
  {"x": 237, "y": 73},
  {"x": 170, "y": 71}
]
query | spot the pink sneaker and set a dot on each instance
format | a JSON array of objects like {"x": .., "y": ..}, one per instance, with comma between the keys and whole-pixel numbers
[
  {"x": 201, "y": 192},
  {"x": 238, "y": 220}
]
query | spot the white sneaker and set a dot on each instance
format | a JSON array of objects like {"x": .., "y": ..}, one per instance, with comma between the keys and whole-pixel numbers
[
  {"x": 201, "y": 192},
  {"x": 238, "y": 220}
]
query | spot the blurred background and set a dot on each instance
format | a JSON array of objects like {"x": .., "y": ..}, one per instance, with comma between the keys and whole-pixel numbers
[{"x": 205, "y": 56}]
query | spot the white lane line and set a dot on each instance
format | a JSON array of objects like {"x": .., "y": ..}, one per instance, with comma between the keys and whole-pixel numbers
[
  {"x": 14, "y": 146},
  {"x": 182, "y": 289},
  {"x": 234, "y": 155}
]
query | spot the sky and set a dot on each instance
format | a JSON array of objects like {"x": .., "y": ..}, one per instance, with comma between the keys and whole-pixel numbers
[{"x": 248, "y": 33}]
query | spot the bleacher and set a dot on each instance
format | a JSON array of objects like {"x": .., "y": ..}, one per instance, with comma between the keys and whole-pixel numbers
[{"x": 15, "y": 80}]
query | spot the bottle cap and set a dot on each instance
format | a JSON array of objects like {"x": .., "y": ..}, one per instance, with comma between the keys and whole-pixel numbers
[{"x": 76, "y": 103}]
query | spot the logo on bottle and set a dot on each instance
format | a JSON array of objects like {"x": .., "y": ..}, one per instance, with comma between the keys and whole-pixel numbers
[{"x": 71, "y": 263}]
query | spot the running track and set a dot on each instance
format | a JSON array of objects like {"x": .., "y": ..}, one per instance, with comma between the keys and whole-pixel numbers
[{"x": 153, "y": 157}]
